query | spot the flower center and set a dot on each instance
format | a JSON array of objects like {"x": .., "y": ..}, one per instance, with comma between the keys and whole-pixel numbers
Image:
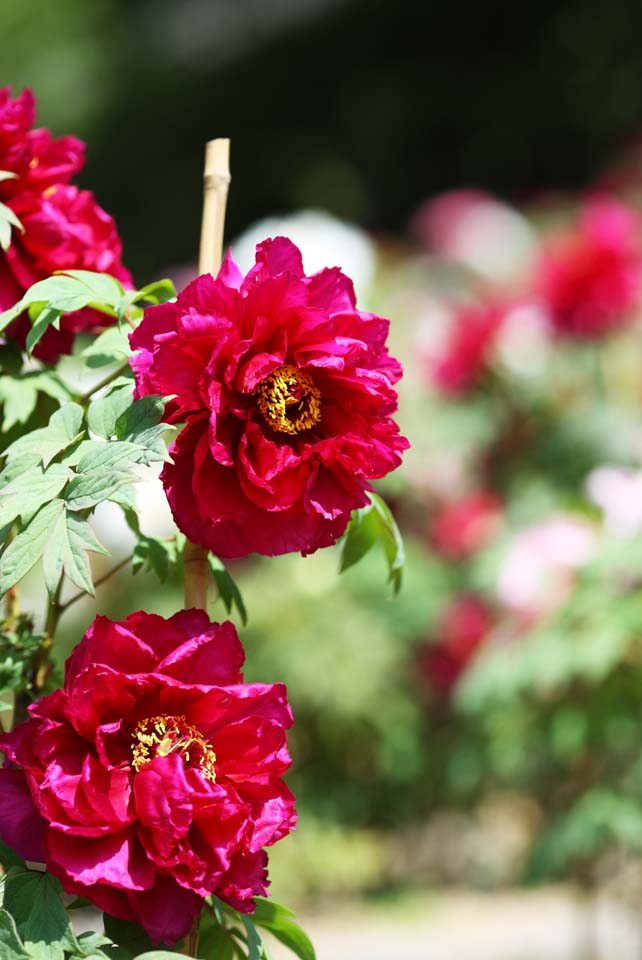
[
  {"x": 289, "y": 400},
  {"x": 162, "y": 735}
]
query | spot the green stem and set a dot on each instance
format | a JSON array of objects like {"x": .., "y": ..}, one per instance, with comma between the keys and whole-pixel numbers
[
  {"x": 63, "y": 607},
  {"x": 84, "y": 398},
  {"x": 192, "y": 938},
  {"x": 40, "y": 664}
]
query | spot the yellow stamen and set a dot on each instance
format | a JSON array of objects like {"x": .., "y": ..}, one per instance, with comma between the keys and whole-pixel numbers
[
  {"x": 159, "y": 736},
  {"x": 289, "y": 400}
]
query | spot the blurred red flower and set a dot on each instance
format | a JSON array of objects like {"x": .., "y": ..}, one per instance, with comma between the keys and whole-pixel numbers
[
  {"x": 464, "y": 526},
  {"x": 461, "y": 632},
  {"x": 63, "y": 227},
  {"x": 287, "y": 391},
  {"x": 153, "y": 779},
  {"x": 590, "y": 279},
  {"x": 459, "y": 367}
]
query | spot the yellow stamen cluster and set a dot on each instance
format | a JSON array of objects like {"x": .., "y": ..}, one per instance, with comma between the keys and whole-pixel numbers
[
  {"x": 289, "y": 400},
  {"x": 159, "y": 736}
]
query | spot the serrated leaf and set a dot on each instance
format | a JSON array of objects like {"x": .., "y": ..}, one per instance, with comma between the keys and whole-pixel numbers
[
  {"x": 26, "y": 549},
  {"x": 115, "y": 453},
  {"x": 139, "y": 417},
  {"x": 89, "y": 489},
  {"x": 279, "y": 921},
  {"x": 227, "y": 588},
  {"x": 29, "y": 491},
  {"x": 66, "y": 552}
]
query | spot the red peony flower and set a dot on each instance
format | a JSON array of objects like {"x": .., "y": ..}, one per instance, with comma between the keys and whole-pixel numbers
[
  {"x": 64, "y": 228},
  {"x": 590, "y": 279},
  {"x": 464, "y": 526},
  {"x": 153, "y": 779},
  {"x": 463, "y": 628},
  {"x": 34, "y": 156},
  {"x": 287, "y": 393},
  {"x": 460, "y": 366}
]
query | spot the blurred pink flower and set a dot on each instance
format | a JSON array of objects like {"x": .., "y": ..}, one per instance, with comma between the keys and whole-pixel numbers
[
  {"x": 463, "y": 627},
  {"x": 477, "y": 230},
  {"x": 618, "y": 493},
  {"x": 463, "y": 360},
  {"x": 539, "y": 568},
  {"x": 464, "y": 526},
  {"x": 590, "y": 279}
]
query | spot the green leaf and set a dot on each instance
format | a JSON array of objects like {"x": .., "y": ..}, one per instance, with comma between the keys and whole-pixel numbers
[
  {"x": 139, "y": 417},
  {"x": 279, "y": 921},
  {"x": 29, "y": 491},
  {"x": 46, "y": 318},
  {"x": 11, "y": 947},
  {"x": 128, "y": 935},
  {"x": 63, "y": 429},
  {"x": 361, "y": 535},
  {"x": 8, "y": 220},
  {"x": 370, "y": 525},
  {"x": 255, "y": 949},
  {"x": 106, "y": 410},
  {"x": 19, "y": 395},
  {"x": 33, "y": 900},
  {"x": 87, "y": 490},
  {"x": 157, "y": 955},
  {"x": 158, "y": 556},
  {"x": 103, "y": 288},
  {"x": 65, "y": 552},
  {"x": 25, "y": 550},
  {"x": 111, "y": 347},
  {"x": 227, "y": 588}
]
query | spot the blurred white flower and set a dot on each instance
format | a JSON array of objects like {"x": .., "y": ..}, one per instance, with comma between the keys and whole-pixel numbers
[
  {"x": 618, "y": 493},
  {"x": 323, "y": 240},
  {"x": 523, "y": 341},
  {"x": 475, "y": 229},
  {"x": 538, "y": 570}
]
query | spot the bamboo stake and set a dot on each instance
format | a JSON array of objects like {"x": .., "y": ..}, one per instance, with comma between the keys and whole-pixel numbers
[{"x": 216, "y": 181}]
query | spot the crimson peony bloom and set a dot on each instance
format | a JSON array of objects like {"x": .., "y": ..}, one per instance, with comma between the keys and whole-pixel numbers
[
  {"x": 463, "y": 361},
  {"x": 462, "y": 630},
  {"x": 64, "y": 228},
  {"x": 464, "y": 526},
  {"x": 590, "y": 279},
  {"x": 287, "y": 394},
  {"x": 34, "y": 156},
  {"x": 153, "y": 779}
]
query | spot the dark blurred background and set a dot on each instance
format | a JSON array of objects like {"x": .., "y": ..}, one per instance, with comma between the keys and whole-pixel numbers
[{"x": 359, "y": 106}]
